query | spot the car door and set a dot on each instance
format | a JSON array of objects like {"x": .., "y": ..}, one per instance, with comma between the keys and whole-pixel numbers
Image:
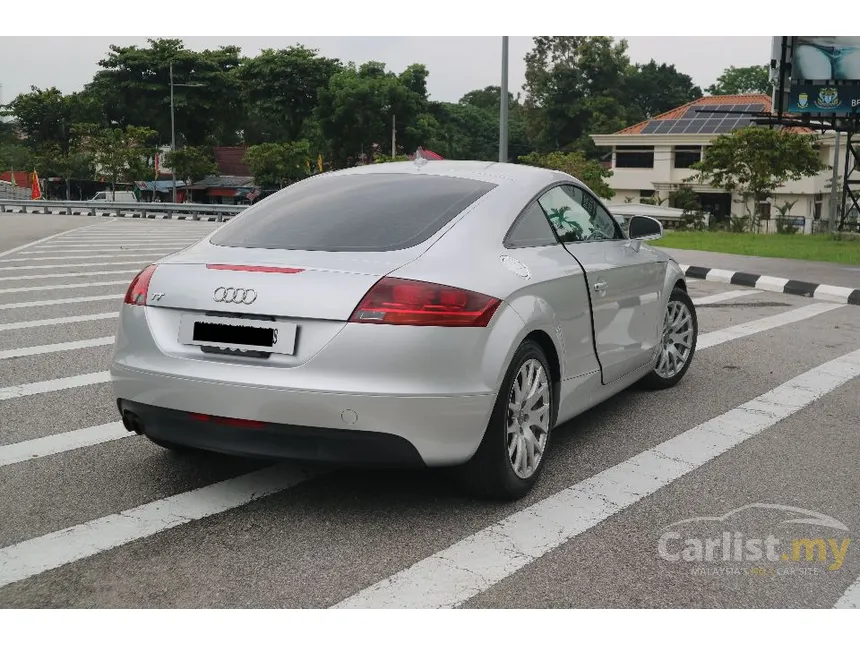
[{"x": 625, "y": 281}]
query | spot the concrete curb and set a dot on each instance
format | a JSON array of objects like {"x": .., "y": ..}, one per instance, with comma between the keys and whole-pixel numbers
[{"x": 831, "y": 293}]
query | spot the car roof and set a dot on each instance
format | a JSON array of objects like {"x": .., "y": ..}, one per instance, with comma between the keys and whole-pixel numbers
[{"x": 489, "y": 171}]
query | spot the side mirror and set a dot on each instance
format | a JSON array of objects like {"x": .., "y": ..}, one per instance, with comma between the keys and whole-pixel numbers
[{"x": 642, "y": 227}]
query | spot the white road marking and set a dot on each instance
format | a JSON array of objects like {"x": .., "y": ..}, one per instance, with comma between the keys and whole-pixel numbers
[
  {"x": 722, "y": 297},
  {"x": 38, "y": 276},
  {"x": 474, "y": 564},
  {"x": 30, "y": 558},
  {"x": 94, "y": 256},
  {"x": 54, "y": 385},
  {"x": 59, "y": 301},
  {"x": 72, "y": 345},
  {"x": 65, "y": 320},
  {"x": 763, "y": 324},
  {"x": 43, "y": 239},
  {"x": 851, "y": 598},
  {"x": 120, "y": 242},
  {"x": 124, "y": 247},
  {"x": 64, "y": 287},
  {"x": 54, "y": 444},
  {"x": 32, "y": 267}
]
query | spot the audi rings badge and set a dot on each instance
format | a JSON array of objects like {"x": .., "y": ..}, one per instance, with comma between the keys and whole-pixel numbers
[{"x": 236, "y": 296}]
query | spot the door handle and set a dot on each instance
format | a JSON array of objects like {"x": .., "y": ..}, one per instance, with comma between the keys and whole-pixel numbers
[{"x": 600, "y": 285}]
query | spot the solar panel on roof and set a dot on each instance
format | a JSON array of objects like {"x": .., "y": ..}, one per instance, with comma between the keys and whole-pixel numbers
[
  {"x": 650, "y": 127},
  {"x": 665, "y": 126}
]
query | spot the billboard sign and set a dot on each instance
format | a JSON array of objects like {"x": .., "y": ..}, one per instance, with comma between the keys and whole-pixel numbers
[
  {"x": 825, "y": 59},
  {"x": 824, "y": 99},
  {"x": 824, "y": 74}
]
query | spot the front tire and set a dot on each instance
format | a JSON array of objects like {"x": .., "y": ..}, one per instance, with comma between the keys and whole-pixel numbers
[
  {"x": 677, "y": 344},
  {"x": 512, "y": 453}
]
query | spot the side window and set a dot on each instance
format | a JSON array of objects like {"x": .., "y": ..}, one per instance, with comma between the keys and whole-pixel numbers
[
  {"x": 532, "y": 229},
  {"x": 577, "y": 216}
]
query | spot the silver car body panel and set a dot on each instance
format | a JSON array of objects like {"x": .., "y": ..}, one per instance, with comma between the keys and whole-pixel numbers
[{"x": 433, "y": 386}]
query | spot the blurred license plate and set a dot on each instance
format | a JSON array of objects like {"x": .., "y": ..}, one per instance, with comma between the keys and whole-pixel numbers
[{"x": 236, "y": 333}]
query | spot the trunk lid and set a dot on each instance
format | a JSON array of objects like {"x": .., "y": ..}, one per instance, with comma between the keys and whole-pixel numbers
[{"x": 266, "y": 282}]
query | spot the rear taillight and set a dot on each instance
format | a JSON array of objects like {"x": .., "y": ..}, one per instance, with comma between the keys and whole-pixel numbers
[
  {"x": 139, "y": 287},
  {"x": 395, "y": 301}
]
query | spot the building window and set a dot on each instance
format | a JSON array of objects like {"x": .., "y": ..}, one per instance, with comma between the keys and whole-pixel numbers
[
  {"x": 646, "y": 194},
  {"x": 764, "y": 210},
  {"x": 686, "y": 156},
  {"x": 634, "y": 157}
]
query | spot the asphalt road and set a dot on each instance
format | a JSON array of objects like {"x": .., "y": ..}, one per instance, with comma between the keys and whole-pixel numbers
[{"x": 759, "y": 442}]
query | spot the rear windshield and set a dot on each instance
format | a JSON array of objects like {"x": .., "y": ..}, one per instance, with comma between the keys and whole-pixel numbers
[{"x": 363, "y": 212}]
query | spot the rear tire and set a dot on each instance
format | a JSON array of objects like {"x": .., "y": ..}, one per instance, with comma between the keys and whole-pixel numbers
[
  {"x": 677, "y": 343},
  {"x": 518, "y": 433}
]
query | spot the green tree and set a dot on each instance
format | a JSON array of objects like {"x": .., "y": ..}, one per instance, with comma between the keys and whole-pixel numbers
[
  {"x": 356, "y": 109},
  {"x": 191, "y": 164},
  {"x": 279, "y": 89},
  {"x": 589, "y": 172},
  {"x": 575, "y": 86},
  {"x": 755, "y": 161},
  {"x": 118, "y": 154},
  {"x": 656, "y": 88},
  {"x": 742, "y": 80},
  {"x": 278, "y": 164},
  {"x": 133, "y": 88}
]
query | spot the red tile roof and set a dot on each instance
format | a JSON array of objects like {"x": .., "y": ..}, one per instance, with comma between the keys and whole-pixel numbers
[
  {"x": 22, "y": 177},
  {"x": 728, "y": 99},
  {"x": 229, "y": 160}
]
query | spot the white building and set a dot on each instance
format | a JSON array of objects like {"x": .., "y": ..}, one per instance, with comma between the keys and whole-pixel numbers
[{"x": 652, "y": 159}]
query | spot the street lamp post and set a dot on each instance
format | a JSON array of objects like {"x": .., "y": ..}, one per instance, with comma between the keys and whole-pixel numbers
[
  {"x": 173, "y": 123},
  {"x": 172, "y": 134},
  {"x": 503, "y": 104}
]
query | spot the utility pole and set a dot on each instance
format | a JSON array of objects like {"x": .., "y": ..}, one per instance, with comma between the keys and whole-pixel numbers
[
  {"x": 172, "y": 136},
  {"x": 393, "y": 137},
  {"x": 503, "y": 105},
  {"x": 834, "y": 203}
]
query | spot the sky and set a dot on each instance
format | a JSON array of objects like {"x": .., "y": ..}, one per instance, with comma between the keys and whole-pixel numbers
[{"x": 457, "y": 65}]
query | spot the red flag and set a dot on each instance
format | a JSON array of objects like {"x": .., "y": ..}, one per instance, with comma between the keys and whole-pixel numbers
[{"x": 37, "y": 190}]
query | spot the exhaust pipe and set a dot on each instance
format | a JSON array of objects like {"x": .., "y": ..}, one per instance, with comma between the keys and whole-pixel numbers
[{"x": 132, "y": 422}]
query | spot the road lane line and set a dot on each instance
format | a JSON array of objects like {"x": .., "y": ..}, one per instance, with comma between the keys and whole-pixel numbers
[
  {"x": 722, "y": 297},
  {"x": 64, "y": 287},
  {"x": 851, "y": 598},
  {"x": 94, "y": 256},
  {"x": 123, "y": 247},
  {"x": 764, "y": 324},
  {"x": 16, "y": 453},
  {"x": 59, "y": 301},
  {"x": 32, "y": 267},
  {"x": 37, "y": 276},
  {"x": 100, "y": 246},
  {"x": 65, "y": 320},
  {"x": 476, "y": 563},
  {"x": 44, "y": 239},
  {"x": 30, "y": 558},
  {"x": 38, "y": 350},
  {"x": 54, "y": 385}
]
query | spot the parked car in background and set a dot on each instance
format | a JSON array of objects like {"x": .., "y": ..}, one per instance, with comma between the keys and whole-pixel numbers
[{"x": 110, "y": 196}]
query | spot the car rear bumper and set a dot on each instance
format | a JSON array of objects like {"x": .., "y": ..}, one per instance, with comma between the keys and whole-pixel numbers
[
  {"x": 269, "y": 441},
  {"x": 323, "y": 426}
]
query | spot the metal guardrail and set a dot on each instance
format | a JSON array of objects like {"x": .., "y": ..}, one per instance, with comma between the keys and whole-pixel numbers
[{"x": 135, "y": 209}]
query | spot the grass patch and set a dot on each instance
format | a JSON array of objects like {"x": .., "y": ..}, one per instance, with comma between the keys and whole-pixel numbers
[{"x": 818, "y": 248}]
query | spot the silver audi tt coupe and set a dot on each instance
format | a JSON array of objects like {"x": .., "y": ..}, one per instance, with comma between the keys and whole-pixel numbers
[{"x": 444, "y": 313}]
